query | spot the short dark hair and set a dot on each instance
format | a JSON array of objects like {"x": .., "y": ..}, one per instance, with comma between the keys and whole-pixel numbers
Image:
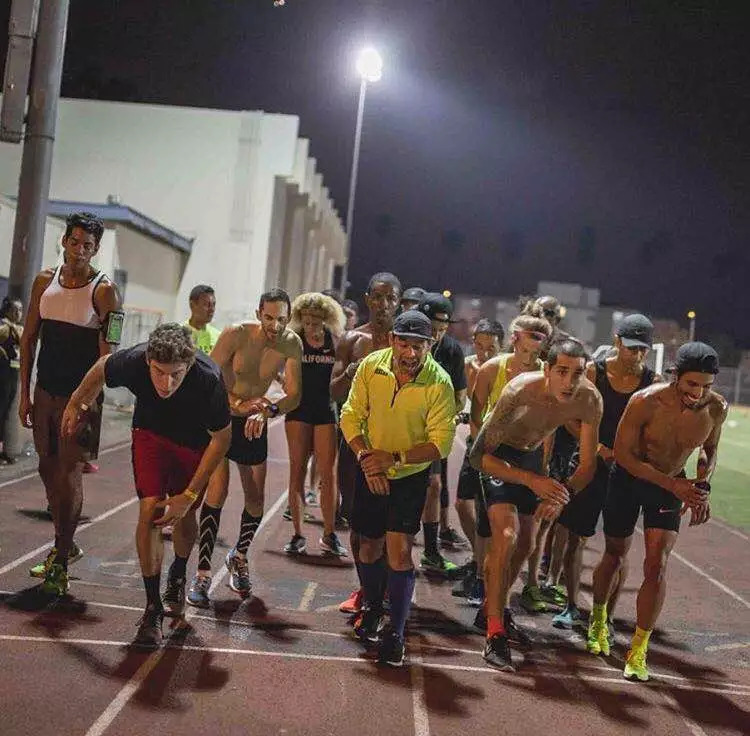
[
  {"x": 568, "y": 346},
  {"x": 333, "y": 293},
  {"x": 199, "y": 290},
  {"x": 171, "y": 343},
  {"x": 87, "y": 222},
  {"x": 384, "y": 277},
  {"x": 350, "y": 304},
  {"x": 275, "y": 295},
  {"x": 489, "y": 327}
]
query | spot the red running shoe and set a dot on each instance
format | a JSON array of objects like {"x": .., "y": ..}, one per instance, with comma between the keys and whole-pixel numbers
[
  {"x": 353, "y": 604},
  {"x": 90, "y": 467}
]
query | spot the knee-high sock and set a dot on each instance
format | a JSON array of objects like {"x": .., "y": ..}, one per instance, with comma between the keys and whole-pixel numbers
[
  {"x": 248, "y": 526},
  {"x": 400, "y": 591},
  {"x": 209, "y": 528},
  {"x": 374, "y": 576}
]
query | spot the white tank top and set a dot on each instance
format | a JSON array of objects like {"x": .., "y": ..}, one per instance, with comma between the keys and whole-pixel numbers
[{"x": 74, "y": 305}]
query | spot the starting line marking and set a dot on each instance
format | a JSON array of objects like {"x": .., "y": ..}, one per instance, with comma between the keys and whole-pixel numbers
[{"x": 151, "y": 662}]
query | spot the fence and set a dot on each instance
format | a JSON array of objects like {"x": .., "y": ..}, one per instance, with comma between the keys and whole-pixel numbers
[{"x": 734, "y": 385}]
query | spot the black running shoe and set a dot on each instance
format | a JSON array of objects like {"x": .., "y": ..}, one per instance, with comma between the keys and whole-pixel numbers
[
  {"x": 464, "y": 586},
  {"x": 174, "y": 596},
  {"x": 149, "y": 634},
  {"x": 368, "y": 625},
  {"x": 480, "y": 621},
  {"x": 497, "y": 653},
  {"x": 515, "y": 635},
  {"x": 391, "y": 650}
]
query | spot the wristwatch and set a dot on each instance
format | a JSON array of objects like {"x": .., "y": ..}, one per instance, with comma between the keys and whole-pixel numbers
[
  {"x": 273, "y": 409},
  {"x": 399, "y": 459}
]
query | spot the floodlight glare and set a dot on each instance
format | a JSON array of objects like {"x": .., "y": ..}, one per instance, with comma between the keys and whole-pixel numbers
[{"x": 370, "y": 65}]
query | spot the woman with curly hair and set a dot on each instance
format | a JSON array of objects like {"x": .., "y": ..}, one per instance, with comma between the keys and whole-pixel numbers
[{"x": 311, "y": 427}]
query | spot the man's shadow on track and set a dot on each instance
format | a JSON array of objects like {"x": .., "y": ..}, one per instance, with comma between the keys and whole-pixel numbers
[
  {"x": 314, "y": 560},
  {"x": 176, "y": 670}
]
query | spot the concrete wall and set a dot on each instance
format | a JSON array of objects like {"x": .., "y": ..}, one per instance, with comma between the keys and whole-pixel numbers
[{"x": 207, "y": 174}]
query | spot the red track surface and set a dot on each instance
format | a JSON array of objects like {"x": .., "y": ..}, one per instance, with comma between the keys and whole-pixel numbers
[{"x": 284, "y": 663}]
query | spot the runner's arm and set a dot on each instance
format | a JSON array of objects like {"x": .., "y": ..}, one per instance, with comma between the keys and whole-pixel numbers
[
  {"x": 292, "y": 378},
  {"x": 588, "y": 443},
  {"x": 355, "y": 411},
  {"x": 341, "y": 378},
  {"x": 106, "y": 300},
  {"x": 85, "y": 395},
  {"x": 484, "y": 378},
  {"x": 710, "y": 448}
]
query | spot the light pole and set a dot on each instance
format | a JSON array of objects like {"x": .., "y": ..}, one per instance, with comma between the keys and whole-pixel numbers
[
  {"x": 691, "y": 333},
  {"x": 370, "y": 69}
]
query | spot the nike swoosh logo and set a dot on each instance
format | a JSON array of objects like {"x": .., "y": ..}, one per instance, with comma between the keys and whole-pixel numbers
[{"x": 667, "y": 511}]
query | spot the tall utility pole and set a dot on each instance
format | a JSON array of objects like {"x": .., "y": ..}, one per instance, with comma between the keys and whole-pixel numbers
[{"x": 36, "y": 162}]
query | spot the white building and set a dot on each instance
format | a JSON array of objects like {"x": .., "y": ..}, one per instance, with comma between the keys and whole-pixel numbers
[{"x": 239, "y": 186}]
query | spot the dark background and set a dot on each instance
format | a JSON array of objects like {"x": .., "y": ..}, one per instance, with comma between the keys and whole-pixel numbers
[{"x": 603, "y": 143}]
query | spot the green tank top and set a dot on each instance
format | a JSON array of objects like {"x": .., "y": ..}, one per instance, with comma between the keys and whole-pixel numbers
[{"x": 499, "y": 383}]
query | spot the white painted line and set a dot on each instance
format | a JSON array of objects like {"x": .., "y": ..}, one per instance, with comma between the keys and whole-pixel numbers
[
  {"x": 527, "y": 676},
  {"x": 418, "y": 693},
  {"x": 730, "y": 529},
  {"x": 692, "y": 726},
  {"x": 307, "y": 597},
  {"x": 726, "y": 647},
  {"x": 724, "y": 588},
  {"x": 111, "y": 712}
]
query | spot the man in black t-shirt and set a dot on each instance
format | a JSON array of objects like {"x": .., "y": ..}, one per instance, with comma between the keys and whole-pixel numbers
[
  {"x": 181, "y": 431},
  {"x": 450, "y": 356}
]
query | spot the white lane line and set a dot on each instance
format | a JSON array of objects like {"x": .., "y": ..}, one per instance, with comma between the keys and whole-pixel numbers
[
  {"x": 724, "y": 588},
  {"x": 418, "y": 692},
  {"x": 527, "y": 677},
  {"x": 111, "y": 712},
  {"x": 307, "y": 597},
  {"x": 726, "y": 647},
  {"x": 730, "y": 529}
]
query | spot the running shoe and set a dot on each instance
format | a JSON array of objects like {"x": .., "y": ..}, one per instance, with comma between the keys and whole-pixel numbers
[
  {"x": 198, "y": 594},
  {"x": 90, "y": 467},
  {"x": 568, "y": 619},
  {"x": 297, "y": 545},
  {"x": 40, "y": 570},
  {"x": 480, "y": 621},
  {"x": 554, "y": 594},
  {"x": 531, "y": 599},
  {"x": 451, "y": 539},
  {"x": 311, "y": 499},
  {"x": 331, "y": 545},
  {"x": 391, "y": 650},
  {"x": 470, "y": 566},
  {"x": 149, "y": 634},
  {"x": 515, "y": 634},
  {"x": 287, "y": 514},
  {"x": 463, "y": 587},
  {"x": 353, "y": 604},
  {"x": 597, "y": 641},
  {"x": 369, "y": 624},
  {"x": 610, "y": 634},
  {"x": 497, "y": 653},
  {"x": 476, "y": 595},
  {"x": 174, "y": 596},
  {"x": 56, "y": 580},
  {"x": 635, "y": 666},
  {"x": 239, "y": 575},
  {"x": 439, "y": 566}
]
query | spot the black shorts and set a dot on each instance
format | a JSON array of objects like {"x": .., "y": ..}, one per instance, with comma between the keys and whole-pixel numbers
[
  {"x": 581, "y": 515},
  {"x": 312, "y": 415},
  {"x": 498, "y": 491},
  {"x": 480, "y": 510},
  {"x": 399, "y": 511},
  {"x": 346, "y": 475},
  {"x": 627, "y": 495},
  {"x": 468, "y": 478},
  {"x": 244, "y": 451}
]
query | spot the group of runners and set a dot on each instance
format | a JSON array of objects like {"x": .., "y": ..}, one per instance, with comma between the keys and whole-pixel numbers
[{"x": 555, "y": 441}]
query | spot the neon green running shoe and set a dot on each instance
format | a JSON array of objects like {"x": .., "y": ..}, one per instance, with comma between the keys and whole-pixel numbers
[
  {"x": 40, "y": 570},
  {"x": 56, "y": 580},
  {"x": 554, "y": 594},
  {"x": 597, "y": 641},
  {"x": 438, "y": 565},
  {"x": 635, "y": 666},
  {"x": 531, "y": 599}
]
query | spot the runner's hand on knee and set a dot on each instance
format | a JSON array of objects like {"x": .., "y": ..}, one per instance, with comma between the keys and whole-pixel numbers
[
  {"x": 686, "y": 490},
  {"x": 177, "y": 505},
  {"x": 548, "y": 489}
]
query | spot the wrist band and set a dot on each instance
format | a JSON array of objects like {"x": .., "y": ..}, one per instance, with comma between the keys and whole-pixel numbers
[{"x": 192, "y": 495}]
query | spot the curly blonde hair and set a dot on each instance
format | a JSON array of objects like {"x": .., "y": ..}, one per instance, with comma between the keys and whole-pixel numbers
[{"x": 333, "y": 315}]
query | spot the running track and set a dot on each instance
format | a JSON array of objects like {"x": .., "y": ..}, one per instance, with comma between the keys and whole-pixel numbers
[{"x": 283, "y": 663}]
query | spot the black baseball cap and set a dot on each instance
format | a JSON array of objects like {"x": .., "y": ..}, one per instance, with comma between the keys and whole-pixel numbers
[
  {"x": 433, "y": 304},
  {"x": 696, "y": 357},
  {"x": 413, "y": 294},
  {"x": 636, "y": 331},
  {"x": 412, "y": 323}
]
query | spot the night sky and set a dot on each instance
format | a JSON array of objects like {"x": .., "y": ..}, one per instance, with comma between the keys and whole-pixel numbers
[{"x": 604, "y": 143}]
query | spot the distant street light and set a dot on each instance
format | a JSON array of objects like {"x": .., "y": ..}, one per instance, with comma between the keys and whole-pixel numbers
[
  {"x": 370, "y": 69},
  {"x": 447, "y": 293},
  {"x": 691, "y": 317}
]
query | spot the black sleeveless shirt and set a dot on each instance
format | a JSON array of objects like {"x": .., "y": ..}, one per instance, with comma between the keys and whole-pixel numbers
[
  {"x": 614, "y": 401},
  {"x": 317, "y": 366}
]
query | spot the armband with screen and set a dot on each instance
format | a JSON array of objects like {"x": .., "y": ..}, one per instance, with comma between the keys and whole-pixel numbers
[{"x": 113, "y": 327}]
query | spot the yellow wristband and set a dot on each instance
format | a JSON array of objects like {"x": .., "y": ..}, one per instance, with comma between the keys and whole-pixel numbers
[{"x": 192, "y": 495}]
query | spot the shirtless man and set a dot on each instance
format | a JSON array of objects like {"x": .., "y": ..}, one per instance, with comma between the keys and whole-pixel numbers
[
  {"x": 382, "y": 300},
  {"x": 509, "y": 452},
  {"x": 250, "y": 355},
  {"x": 661, "y": 427}
]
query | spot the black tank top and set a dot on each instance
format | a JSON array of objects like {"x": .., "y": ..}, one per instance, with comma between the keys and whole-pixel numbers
[
  {"x": 614, "y": 401},
  {"x": 317, "y": 366}
]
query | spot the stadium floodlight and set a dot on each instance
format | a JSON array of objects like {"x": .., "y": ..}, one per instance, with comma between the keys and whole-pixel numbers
[{"x": 370, "y": 64}]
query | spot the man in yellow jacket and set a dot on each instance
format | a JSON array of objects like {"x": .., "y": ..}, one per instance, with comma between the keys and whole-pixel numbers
[{"x": 399, "y": 417}]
